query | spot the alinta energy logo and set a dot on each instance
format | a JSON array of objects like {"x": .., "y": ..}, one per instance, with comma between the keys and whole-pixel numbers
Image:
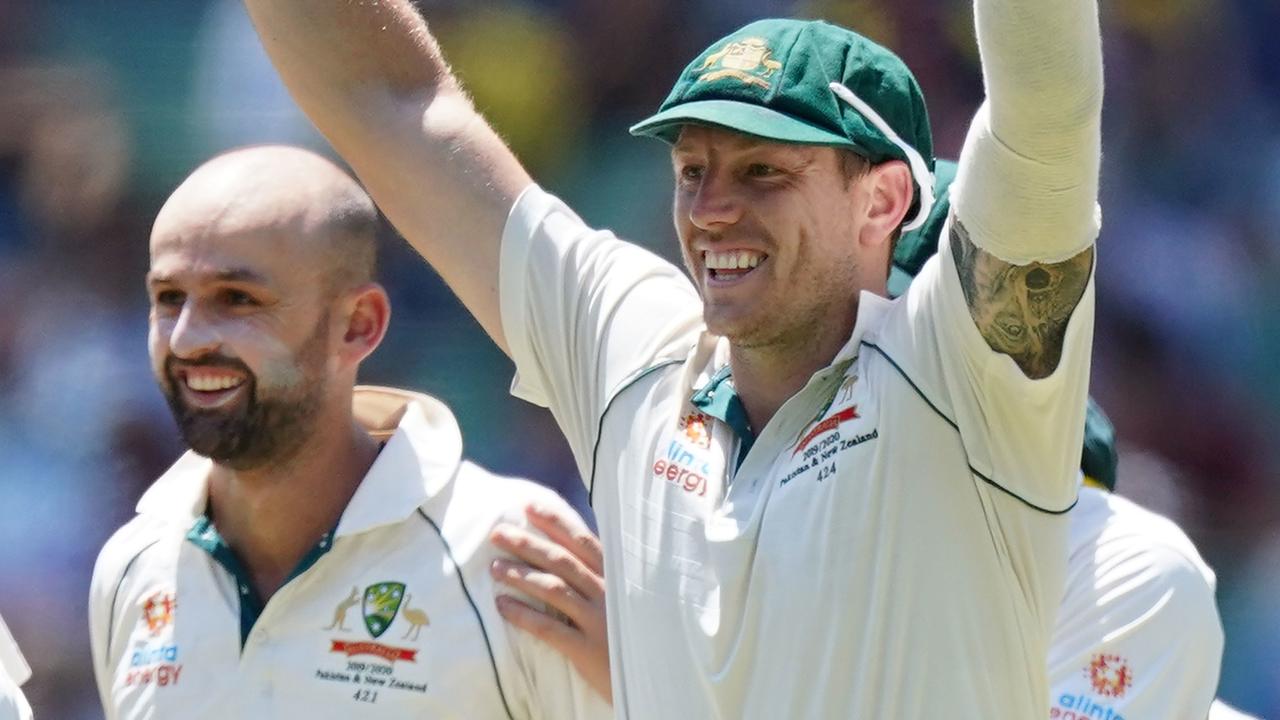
[
  {"x": 155, "y": 660},
  {"x": 1109, "y": 675},
  {"x": 157, "y": 611},
  {"x": 1109, "y": 678},
  {"x": 694, "y": 426}
]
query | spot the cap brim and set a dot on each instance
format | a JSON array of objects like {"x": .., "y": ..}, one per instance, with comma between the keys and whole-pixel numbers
[{"x": 739, "y": 116}]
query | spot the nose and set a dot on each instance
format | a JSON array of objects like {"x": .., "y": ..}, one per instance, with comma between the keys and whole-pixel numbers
[
  {"x": 715, "y": 203},
  {"x": 193, "y": 335}
]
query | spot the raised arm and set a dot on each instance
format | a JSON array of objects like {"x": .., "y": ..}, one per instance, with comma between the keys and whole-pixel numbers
[
  {"x": 1025, "y": 213},
  {"x": 371, "y": 77}
]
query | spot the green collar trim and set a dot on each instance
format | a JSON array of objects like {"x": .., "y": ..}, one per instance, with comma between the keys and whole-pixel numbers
[
  {"x": 205, "y": 536},
  {"x": 720, "y": 400}
]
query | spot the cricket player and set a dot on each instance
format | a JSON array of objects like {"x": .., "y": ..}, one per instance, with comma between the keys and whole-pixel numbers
[
  {"x": 14, "y": 671},
  {"x": 813, "y": 502},
  {"x": 322, "y": 551}
]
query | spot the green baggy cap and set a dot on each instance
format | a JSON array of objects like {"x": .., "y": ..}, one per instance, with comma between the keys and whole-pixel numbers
[{"x": 807, "y": 82}]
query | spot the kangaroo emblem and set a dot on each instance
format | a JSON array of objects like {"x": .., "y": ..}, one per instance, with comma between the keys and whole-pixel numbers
[
  {"x": 340, "y": 612},
  {"x": 417, "y": 619},
  {"x": 846, "y": 389}
]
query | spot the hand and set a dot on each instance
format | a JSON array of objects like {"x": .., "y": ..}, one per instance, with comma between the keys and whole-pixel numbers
[{"x": 564, "y": 570}]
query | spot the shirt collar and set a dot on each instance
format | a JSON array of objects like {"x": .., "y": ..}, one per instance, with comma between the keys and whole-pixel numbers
[
  {"x": 420, "y": 458},
  {"x": 422, "y": 453},
  {"x": 871, "y": 311}
]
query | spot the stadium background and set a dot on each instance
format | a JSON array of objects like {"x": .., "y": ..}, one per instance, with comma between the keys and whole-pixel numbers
[{"x": 106, "y": 105}]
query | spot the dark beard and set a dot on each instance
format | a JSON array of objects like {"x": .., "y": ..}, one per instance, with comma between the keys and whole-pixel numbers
[{"x": 259, "y": 430}]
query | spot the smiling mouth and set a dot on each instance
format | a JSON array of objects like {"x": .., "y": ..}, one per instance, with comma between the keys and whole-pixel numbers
[
  {"x": 731, "y": 264},
  {"x": 209, "y": 388}
]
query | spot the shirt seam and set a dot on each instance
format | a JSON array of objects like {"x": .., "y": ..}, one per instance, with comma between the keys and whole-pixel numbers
[
  {"x": 116, "y": 596},
  {"x": 622, "y": 387},
  {"x": 484, "y": 633},
  {"x": 956, "y": 427}
]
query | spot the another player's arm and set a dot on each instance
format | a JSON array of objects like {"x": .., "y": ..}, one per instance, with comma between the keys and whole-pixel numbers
[
  {"x": 1025, "y": 201},
  {"x": 372, "y": 78},
  {"x": 1021, "y": 310}
]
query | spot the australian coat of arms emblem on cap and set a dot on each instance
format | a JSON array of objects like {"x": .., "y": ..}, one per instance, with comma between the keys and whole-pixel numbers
[{"x": 749, "y": 60}]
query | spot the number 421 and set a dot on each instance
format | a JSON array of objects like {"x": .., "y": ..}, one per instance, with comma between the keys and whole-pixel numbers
[{"x": 369, "y": 696}]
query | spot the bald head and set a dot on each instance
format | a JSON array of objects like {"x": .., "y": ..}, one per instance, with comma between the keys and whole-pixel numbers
[{"x": 312, "y": 213}]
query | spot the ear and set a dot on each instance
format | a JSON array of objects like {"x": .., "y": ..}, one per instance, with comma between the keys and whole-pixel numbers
[
  {"x": 890, "y": 192},
  {"x": 364, "y": 316}
]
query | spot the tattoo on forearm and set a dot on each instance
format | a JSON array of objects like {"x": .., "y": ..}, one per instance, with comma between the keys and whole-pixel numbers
[{"x": 1021, "y": 310}]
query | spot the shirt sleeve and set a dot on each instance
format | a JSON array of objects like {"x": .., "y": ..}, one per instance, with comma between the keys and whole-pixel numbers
[
  {"x": 1138, "y": 630},
  {"x": 1025, "y": 191},
  {"x": 101, "y": 591},
  {"x": 1021, "y": 435},
  {"x": 104, "y": 611},
  {"x": 584, "y": 312}
]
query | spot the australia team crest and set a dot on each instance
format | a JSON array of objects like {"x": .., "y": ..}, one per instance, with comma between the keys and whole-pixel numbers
[
  {"x": 381, "y": 603},
  {"x": 749, "y": 60}
]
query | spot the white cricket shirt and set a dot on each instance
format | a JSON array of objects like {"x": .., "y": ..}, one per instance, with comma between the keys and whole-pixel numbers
[
  {"x": 1138, "y": 634},
  {"x": 893, "y": 544},
  {"x": 392, "y": 615},
  {"x": 14, "y": 671}
]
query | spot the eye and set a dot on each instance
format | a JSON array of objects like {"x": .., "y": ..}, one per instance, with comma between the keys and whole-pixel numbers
[
  {"x": 758, "y": 170},
  {"x": 238, "y": 298},
  {"x": 169, "y": 298},
  {"x": 691, "y": 173}
]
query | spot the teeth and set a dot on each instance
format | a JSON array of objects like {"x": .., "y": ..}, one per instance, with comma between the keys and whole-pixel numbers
[
  {"x": 732, "y": 259},
  {"x": 211, "y": 383}
]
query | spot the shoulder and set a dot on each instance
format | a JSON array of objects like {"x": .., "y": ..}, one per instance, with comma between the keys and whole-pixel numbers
[
  {"x": 491, "y": 498},
  {"x": 123, "y": 550},
  {"x": 1137, "y": 594},
  {"x": 1129, "y": 533},
  {"x": 1128, "y": 562},
  {"x": 478, "y": 501}
]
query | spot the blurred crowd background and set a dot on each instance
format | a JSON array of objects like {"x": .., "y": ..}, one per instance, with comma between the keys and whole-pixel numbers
[{"x": 106, "y": 105}]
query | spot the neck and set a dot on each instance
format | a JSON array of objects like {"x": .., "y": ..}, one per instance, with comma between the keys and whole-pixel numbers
[
  {"x": 272, "y": 516},
  {"x": 766, "y": 376}
]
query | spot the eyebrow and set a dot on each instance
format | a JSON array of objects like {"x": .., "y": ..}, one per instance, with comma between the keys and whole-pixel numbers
[{"x": 228, "y": 275}]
